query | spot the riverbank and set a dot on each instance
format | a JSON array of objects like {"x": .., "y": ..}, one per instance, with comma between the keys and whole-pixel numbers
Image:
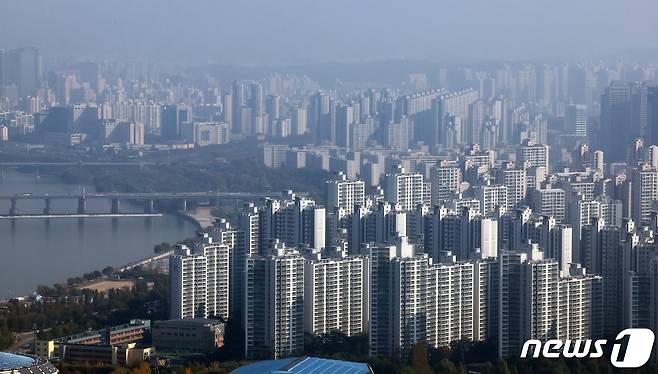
[
  {"x": 201, "y": 216},
  {"x": 45, "y": 251}
]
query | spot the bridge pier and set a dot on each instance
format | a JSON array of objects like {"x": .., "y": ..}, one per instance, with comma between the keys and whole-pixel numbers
[
  {"x": 14, "y": 210},
  {"x": 82, "y": 205},
  {"x": 149, "y": 206},
  {"x": 47, "y": 209},
  {"x": 37, "y": 176},
  {"x": 184, "y": 206},
  {"x": 115, "y": 206}
]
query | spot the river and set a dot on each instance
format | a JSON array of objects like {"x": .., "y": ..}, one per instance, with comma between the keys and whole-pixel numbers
[{"x": 46, "y": 251}]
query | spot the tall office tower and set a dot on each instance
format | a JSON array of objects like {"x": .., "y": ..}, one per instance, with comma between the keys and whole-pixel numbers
[
  {"x": 555, "y": 241},
  {"x": 2, "y": 72},
  {"x": 500, "y": 112},
  {"x": 23, "y": 69},
  {"x": 257, "y": 99},
  {"x": 406, "y": 189},
  {"x": 247, "y": 119},
  {"x": 336, "y": 295},
  {"x": 344, "y": 122},
  {"x": 274, "y": 313},
  {"x": 294, "y": 221},
  {"x": 624, "y": 117},
  {"x": 514, "y": 179},
  {"x": 239, "y": 100},
  {"x": 398, "y": 299},
  {"x": 652, "y": 115},
  {"x": 493, "y": 198},
  {"x": 461, "y": 233},
  {"x": 575, "y": 119},
  {"x": 273, "y": 106},
  {"x": 345, "y": 194},
  {"x": 200, "y": 281},
  {"x": 299, "y": 121},
  {"x": 645, "y": 192},
  {"x": 227, "y": 109},
  {"x": 225, "y": 234},
  {"x": 319, "y": 119},
  {"x": 445, "y": 182},
  {"x": 172, "y": 117},
  {"x": 479, "y": 111},
  {"x": 530, "y": 155},
  {"x": 550, "y": 202}
]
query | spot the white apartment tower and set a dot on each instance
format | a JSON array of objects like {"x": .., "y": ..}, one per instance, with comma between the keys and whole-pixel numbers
[
  {"x": 492, "y": 198},
  {"x": 532, "y": 155},
  {"x": 345, "y": 194},
  {"x": 404, "y": 189},
  {"x": 336, "y": 295},
  {"x": 200, "y": 281},
  {"x": 274, "y": 315}
]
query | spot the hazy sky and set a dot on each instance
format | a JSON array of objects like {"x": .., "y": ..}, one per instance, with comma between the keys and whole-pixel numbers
[{"x": 302, "y": 31}]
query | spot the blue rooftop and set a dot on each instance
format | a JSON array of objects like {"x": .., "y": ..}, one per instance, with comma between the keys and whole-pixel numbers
[
  {"x": 12, "y": 361},
  {"x": 304, "y": 365}
]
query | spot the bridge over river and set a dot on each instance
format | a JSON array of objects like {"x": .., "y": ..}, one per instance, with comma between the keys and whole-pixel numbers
[{"x": 116, "y": 197}]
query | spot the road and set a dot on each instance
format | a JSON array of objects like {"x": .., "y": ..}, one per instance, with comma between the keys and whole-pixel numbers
[{"x": 22, "y": 339}]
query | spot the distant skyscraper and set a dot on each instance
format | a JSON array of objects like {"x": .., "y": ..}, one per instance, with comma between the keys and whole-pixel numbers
[
  {"x": 575, "y": 119},
  {"x": 23, "y": 69},
  {"x": 239, "y": 100},
  {"x": 2, "y": 72},
  {"x": 172, "y": 118},
  {"x": 624, "y": 117}
]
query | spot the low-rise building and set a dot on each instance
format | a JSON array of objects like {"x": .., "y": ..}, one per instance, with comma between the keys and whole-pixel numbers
[{"x": 191, "y": 335}]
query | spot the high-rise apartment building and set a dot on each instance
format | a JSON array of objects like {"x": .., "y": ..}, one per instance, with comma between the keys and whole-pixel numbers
[
  {"x": 445, "y": 182},
  {"x": 274, "y": 313},
  {"x": 345, "y": 194},
  {"x": 406, "y": 189},
  {"x": 336, "y": 295},
  {"x": 199, "y": 280}
]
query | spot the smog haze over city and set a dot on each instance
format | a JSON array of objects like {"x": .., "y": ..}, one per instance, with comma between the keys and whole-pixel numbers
[
  {"x": 298, "y": 186},
  {"x": 294, "y": 32}
]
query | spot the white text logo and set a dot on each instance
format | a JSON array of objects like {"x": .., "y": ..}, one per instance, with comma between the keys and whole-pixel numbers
[{"x": 638, "y": 348}]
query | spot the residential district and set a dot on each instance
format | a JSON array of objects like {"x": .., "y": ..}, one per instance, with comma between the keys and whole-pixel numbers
[{"x": 495, "y": 204}]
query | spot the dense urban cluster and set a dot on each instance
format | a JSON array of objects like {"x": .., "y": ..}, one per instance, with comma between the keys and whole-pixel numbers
[{"x": 495, "y": 203}]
